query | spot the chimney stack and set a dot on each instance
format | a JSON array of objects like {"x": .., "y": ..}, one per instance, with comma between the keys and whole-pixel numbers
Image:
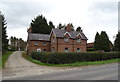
[{"x": 68, "y": 28}]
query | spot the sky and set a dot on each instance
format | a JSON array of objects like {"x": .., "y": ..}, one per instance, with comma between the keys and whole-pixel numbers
[{"x": 92, "y": 15}]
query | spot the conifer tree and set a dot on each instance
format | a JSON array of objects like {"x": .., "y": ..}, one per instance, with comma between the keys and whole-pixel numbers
[
  {"x": 4, "y": 34},
  {"x": 39, "y": 25},
  {"x": 117, "y": 42},
  {"x": 97, "y": 42}
]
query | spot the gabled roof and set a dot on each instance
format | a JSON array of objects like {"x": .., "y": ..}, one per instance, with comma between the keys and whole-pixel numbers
[
  {"x": 34, "y": 36},
  {"x": 66, "y": 33},
  {"x": 59, "y": 33}
]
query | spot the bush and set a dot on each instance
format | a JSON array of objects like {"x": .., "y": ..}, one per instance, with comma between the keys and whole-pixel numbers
[
  {"x": 90, "y": 49},
  {"x": 63, "y": 58}
]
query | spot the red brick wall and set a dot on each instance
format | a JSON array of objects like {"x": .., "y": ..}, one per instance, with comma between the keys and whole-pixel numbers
[
  {"x": 72, "y": 45},
  {"x": 32, "y": 47}
]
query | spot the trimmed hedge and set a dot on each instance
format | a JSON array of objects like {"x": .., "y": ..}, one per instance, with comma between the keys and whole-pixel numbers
[
  {"x": 63, "y": 58},
  {"x": 90, "y": 49}
]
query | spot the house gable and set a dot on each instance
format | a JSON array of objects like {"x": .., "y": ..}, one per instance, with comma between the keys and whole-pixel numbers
[
  {"x": 52, "y": 34},
  {"x": 66, "y": 34},
  {"x": 79, "y": 35}
]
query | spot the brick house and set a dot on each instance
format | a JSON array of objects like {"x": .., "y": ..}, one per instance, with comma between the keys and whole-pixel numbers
[{"x": 58, "y": 41}]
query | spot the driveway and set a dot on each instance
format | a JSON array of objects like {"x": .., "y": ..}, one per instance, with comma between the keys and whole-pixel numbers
[{"x": 17, "y": 66}]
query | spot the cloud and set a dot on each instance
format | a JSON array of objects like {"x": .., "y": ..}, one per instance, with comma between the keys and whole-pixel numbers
[
  {"x": 20, "y": 12},
  {"x": 91, "y": 15}
]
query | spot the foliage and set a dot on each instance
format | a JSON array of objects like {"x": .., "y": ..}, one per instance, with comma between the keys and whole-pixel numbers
[
  {"x": 39, "y": 25},
  {"x": 63, "y": 58},
  {"x": 90, "y": 49},
  {"x": 71, "y": 64},
  {"x": 79, "y": 29},
  {"x": 102, "y": 42},
  {"x": 60, "y": 26},
  {"x": 117, "y": 42},
  {"x": 17, "y": 44},
  {"x": 97, "y": 42},
  {"x": 4, "y": 34}
]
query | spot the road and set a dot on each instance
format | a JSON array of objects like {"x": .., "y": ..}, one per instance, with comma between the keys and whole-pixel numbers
[{"x": 17, "y": 68}]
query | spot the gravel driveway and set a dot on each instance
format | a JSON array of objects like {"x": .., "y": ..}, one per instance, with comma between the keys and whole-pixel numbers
[{"x": 16, "y": 66}]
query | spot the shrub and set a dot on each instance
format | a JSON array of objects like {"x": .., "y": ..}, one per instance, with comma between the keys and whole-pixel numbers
[
  {"x": 90, "y": 49},
  {"x": 63, "y": 58}
]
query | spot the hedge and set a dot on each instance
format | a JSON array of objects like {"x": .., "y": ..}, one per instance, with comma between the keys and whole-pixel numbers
[
  {"x": 63, "y": 58},
  {"x": 90, "y": 49}
]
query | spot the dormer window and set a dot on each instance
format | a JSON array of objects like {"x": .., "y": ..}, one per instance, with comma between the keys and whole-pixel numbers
[
  {"x": 36, "y": 43},
  {"x": 78, "y": 40},
  {"x": 66, "y": 39}
]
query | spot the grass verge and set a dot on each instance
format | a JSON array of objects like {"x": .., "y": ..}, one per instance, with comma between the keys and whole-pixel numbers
[
  {"x": 4, "y": 58},
  {"x": 71, "y": 64}
]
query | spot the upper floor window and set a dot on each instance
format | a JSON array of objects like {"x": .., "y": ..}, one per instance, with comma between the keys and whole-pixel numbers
[
  {"x": 66, "y": 39},
  {"x": 78, "y": 49},
  {"x": 66, "y": 50},
  {"x": 53, "y": 39},
  {"x": 78, "y": 40},
  {"x": 44, "y": 43},
  {"x": 36, "y": 43}
]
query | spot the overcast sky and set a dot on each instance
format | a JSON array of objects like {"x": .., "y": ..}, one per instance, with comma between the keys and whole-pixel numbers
[{"x": 92, "y": 15}]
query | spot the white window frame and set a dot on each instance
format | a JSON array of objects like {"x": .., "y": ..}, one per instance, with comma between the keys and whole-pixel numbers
[
  {"x": 78, "y": 50},
  {"x": 78, "y": 40},
  {"x": 36, "y": 43},
  {"x": 44, "y": 43},
  {"x": 38, "y": 50},
  {"x": 66, "y": 50},
  {"x": 66, "y": 39}
]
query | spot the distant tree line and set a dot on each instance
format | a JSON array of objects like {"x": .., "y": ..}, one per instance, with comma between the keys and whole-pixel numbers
[{"x": 16, "y": 44}]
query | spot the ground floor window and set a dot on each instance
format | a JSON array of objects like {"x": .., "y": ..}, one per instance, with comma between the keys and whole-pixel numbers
[
  {"x": 66, "y": 50},
  {"x": 53, "y": 49},
  {"x": 44, "y": 50},
  {"x": 38, "y": 50},
  {"x": 78, "y": 49}
]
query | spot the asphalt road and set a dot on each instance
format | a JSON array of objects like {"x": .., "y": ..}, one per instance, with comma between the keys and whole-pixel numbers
[{"x": 103, "y": 72}]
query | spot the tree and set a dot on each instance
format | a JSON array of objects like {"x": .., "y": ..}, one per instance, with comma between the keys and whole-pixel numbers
[
  {"x": 105, "y": 42},
  {"x": 17, "y": 43},
  {"x": 4, "y": 34},
  {"x": 60, "y": 26},
  {"x": 97, "y": 42},
  {"x": 117, "y": 42},
  {"x": 51, "y": 26},
  {"x": 39, "y": 25},
  {"x": 79, "y": 29},
  {"x": 102, "y": 42}
]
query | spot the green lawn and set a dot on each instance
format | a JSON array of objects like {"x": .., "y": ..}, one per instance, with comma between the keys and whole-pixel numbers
[
  {"x": 72, "y": 64},
  {"x": 4, "y": 58}
]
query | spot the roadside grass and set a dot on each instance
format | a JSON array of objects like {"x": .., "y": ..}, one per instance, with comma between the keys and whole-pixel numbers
[
  {"x": 71, "y": 64},
  {"x": 4, "y": 58},
  {"x": 0, "y": 62}
]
